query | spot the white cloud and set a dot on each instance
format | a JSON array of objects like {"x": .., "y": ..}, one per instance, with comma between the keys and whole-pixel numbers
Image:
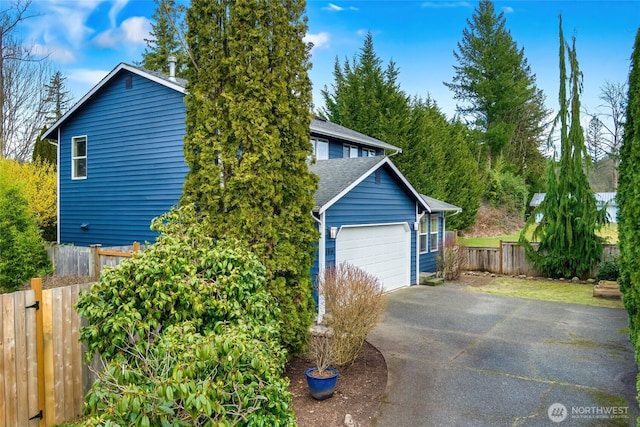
[
  {"x": 335, "y": 8},
  {"x": 86, "y": 76},
  {"x": 117, "y": 6},
  {"x": 136, "y": 29},
  {"x": 58, "y": 54},
  {"x": 445, "y": 4},
  {"x": 132, "y": 30},
  {"x": 507, "y": 9},
  {"x": 319, "y": 41}
]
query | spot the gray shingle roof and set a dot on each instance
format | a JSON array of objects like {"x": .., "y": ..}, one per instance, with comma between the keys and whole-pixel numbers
[
  {"x": 439, "y": 206},
  {"x": 601, "y": 198},
  {"x": 337, "y": 174},
  {"x": 327, "y": 128}
]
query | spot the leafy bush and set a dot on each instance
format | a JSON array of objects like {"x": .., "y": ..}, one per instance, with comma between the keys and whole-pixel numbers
[
  {"x": 608, "y": 269},
  {"x": 22, "y": 251},
  {"x": 189, "y": 334},
  {"x": 354, "y": 300},
  {"x": 37, "y": 181},
  {"x": 506, "y": 190},
  {"x": 225, "y": 376}
]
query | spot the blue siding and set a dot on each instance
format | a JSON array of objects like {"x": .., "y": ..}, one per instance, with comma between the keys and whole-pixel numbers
[
  {"x": 428, "y": 260},
  {"x": 371, "y": 203},
  {"x": 336, "y": 147},
  {"x": 135, "y": 162}
]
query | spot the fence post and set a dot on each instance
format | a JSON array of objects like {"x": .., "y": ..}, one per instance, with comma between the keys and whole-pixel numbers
[
  {"x": 136, "y": 247},
  {"x": 36, "y": 285},
  {"x": 501, "y": 253},
  {"x": 94, "y": 262}
]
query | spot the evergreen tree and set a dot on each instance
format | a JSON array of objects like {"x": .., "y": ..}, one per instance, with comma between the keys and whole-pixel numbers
[
  {"x": 248, "y": 116},
  {"x": 494, "y": 80},
  {"x": 569, "y": 245},
  {"x": 57, "y": 102},
  {"x": 168, "y": 39},
  {"x": 628, "y": 198},
  {"x": 438, "y": 162},
  {"x": 367, "y": 98}
]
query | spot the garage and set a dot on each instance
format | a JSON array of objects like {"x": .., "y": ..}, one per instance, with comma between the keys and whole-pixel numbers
[{"x": 381, "y": 250}]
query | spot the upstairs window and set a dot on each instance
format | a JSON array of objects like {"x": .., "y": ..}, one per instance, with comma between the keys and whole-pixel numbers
[
  {"x": 320, "y": 149},
  {"x": 349, "y": 151},
  {"x": 79, "y": 157},
  {"x": 433, "y": 237},
  {"x": 368, "y": 153}
]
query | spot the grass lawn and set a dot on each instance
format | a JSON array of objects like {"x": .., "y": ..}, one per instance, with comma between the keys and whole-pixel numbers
[
  {"x": 609, "y": 232},
  {"x": 560, "y": 291}
]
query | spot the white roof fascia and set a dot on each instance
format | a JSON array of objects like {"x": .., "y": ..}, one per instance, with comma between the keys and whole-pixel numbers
[{"x": 104, "y": 81}]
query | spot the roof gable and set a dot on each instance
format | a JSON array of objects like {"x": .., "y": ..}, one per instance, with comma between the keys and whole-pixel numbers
[
  {"x": 339, "y": 176},
  {"x": 176, "y": 84}
]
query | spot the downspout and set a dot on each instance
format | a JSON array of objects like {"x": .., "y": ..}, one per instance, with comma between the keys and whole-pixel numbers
[
  {"x": 321, "y": 262},
  {"x": 57, "y": 144},
  {"x": 417, "y": 237}
]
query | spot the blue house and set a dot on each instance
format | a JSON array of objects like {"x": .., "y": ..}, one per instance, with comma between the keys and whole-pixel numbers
[{"x": 120, "y": 164}]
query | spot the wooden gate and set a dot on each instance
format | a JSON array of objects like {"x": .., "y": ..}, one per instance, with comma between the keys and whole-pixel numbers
[{"x": 42, "y": 376}]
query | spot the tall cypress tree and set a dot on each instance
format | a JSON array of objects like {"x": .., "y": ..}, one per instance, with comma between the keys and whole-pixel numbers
[
  {"x": 569, "y": 245},
  {"x": 628, "y": 198},
  {"x": 248, "y": 116}
]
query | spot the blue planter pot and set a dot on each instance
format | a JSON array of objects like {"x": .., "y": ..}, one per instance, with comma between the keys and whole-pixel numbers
[{"x": 322, "y": 387}]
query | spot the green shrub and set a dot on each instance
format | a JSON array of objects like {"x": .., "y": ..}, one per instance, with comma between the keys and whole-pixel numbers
[
  {"x": 22, "y": 251},
  {"x": 222, "y": 377},
  {"x": 506, "y": 190},
  {"x": 609, "y": 269},
  {"x": 189, "y": 334}
]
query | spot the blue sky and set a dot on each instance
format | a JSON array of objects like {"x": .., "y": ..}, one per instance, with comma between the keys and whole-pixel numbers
[{"x": 87, "y": 38}]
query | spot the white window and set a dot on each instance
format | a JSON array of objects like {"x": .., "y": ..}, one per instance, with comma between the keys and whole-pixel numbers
[
  {"x": 368, "y": 153},
  {"x": 433, "y": 233},
  {"x": 349, "y": 151},
  {"x": 79, "y": 157},
  {"x": 320, "y": 149},
  {"x": 424, "y": 232}
]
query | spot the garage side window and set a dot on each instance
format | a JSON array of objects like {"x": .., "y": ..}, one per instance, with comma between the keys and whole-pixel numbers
[
  {"x": 433, "y": 235},
  {"x": 79, "y": 157},
  {"x": 424, "y": 233}
]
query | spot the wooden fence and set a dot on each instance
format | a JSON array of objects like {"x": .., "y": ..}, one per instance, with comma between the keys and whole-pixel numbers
[
  {"x": 510, "y": 259},
  {"x": 87, "y": 261},
  {"x": 43, "y": 379}
]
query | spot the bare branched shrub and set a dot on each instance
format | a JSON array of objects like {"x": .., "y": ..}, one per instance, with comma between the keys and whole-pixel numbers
[
  {"x": 354, "y": 300},
  {"x": 321, "y": 351},
  {"x": 452, "y": 261}
]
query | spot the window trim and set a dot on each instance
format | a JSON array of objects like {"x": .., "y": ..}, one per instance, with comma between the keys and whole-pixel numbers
[
  {"x": 75, "y": 158},
  {"x": 423, "y": 249},
  {"x": 350, "y": 148},
  {"x": 432, "y": 232},
  {"x": 314, "y": 144}
]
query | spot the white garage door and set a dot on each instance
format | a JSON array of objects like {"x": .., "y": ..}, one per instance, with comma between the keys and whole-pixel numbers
[{"x": 381, "y": 250}]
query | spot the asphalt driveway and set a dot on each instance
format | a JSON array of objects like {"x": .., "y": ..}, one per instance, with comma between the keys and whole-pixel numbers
[{"x": 460, "y": 358}]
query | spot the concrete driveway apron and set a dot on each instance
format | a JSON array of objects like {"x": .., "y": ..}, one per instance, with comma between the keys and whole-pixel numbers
[{"x": 461, "y": 358}]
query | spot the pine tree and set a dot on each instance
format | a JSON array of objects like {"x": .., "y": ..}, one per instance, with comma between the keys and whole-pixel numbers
[
  {"x": 57, "y": 102},
  {"x": 628, "y": 198},
  {"x": 494, "y": 80},
  {"x": 568, "y": 245},
  {"x": 248, "y": 116},
  {"x": 367, "y": 98},
  {"x": 168, "y": 34}
]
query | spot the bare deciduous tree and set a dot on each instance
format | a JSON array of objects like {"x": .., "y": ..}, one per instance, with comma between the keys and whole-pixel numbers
[
  {"x": 609, "y": 122},
  {"x": 23, "y": 79}
]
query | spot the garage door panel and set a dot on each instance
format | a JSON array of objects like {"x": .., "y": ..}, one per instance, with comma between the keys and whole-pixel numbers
[{"x": 381, "y": 250}]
